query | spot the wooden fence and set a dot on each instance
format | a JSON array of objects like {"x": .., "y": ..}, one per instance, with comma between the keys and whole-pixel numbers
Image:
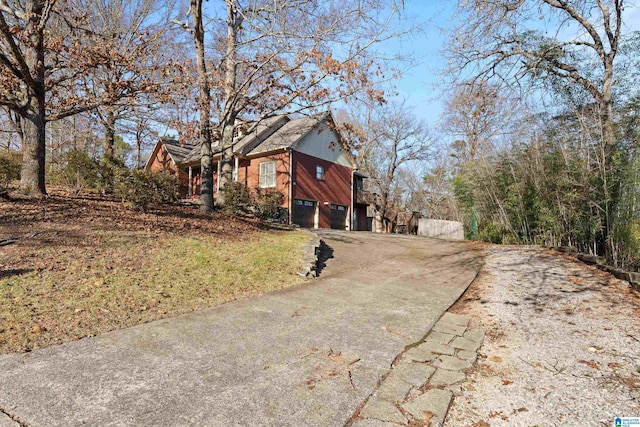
[{"x": 441, "y": 229}]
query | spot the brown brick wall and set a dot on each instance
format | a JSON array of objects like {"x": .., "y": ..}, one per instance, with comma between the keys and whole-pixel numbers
[
  {"x": 249, "y": 173},
  {"x": 162, "y": 162}
]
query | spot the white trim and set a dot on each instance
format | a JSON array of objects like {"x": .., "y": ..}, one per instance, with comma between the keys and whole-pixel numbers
[
  {"x": 236, "y": 166},
  {"x": 290, "y": 186},
  {"x": 265, "y": 175}
]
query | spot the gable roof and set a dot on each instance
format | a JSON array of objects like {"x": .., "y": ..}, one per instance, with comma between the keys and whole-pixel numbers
[
  {"x": 288, "y": 135},
  {"x": 178, "y": 151},
  {"x": 257, "y": 131},
  {"x": 264, "y": 136}
]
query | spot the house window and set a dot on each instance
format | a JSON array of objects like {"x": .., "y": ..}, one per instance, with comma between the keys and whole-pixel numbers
[
  {"x": 267, "y": 174},
  {"x": 319, "y": 172}
]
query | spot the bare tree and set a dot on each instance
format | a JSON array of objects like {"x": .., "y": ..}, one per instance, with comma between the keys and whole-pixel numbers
[
  {"x": 47, "y": 49},
  {"x": 195, "y": 26},
  {"x": 10, "y": 128},
  {"x": 392, "y": 139},
  {"x": 561, "y": 44},
  {"x": 134, "y": 64},
  {"x": 292, "y": 55},
  {"x": 476, "y": 115}
]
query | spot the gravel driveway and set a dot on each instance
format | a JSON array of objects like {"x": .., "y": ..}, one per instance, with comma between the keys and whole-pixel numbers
[{"x": 562, "y": 345}]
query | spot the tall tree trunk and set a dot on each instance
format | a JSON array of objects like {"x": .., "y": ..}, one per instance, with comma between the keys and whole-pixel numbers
[
  {"x": 109, "y": 134},
  {"x": 234, "y": 21},
  {"x": 32, "y": 179},
  {"x": 32, "y": 175},
  {"x": 206, "y": 186},
  {"x": 609, "y": 143},
  {"x": 138, "y": 149}
]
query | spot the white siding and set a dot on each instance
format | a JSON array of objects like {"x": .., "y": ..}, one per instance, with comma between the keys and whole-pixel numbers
[{"x": 323, "y": 143}]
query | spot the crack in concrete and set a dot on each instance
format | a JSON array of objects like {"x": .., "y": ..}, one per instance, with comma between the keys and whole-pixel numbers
[
  {"x": 13, "y": 418},
  {"x": 407, "y": 413}
]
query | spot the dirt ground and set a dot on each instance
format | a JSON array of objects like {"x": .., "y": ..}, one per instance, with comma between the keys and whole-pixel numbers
[{"x": 562, "y": 343}]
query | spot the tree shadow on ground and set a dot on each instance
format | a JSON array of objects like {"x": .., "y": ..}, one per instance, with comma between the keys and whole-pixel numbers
[{"x": 5, "y": 274}]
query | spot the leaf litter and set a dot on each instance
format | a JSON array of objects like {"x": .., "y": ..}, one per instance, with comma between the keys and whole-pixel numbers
[{"x": 566, "y": 348}]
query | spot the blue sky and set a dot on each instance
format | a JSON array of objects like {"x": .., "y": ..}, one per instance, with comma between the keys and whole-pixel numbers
[{"x": 422, "y": 85}]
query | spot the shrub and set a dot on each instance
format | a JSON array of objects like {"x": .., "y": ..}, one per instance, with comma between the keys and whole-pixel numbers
[
  {"x": 80, "y": 171},
  {"x": 10, "y": 164},
  {"x": 237, "y": 198},
  {"x": 492, "y": 232},
  {"x": 136, "y": 188},
  {"x": 166, "y": 186},
  {"x": 109, "y": 171},
  {"x": 268, "y": 203}
]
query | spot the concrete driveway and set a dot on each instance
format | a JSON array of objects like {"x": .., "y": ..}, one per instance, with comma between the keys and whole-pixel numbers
[{"x": 306, "y": 356}]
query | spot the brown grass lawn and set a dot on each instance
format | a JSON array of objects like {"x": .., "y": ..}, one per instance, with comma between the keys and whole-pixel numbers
[{"x": 85, "y": 266}]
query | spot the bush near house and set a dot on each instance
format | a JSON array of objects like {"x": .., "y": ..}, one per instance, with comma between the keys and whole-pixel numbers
[
  {"x": 268, "y": 203},
  {"x": 239, "y": 199}
]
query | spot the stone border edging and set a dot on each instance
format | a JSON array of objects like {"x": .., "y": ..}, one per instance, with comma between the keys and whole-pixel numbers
[
  {"x": 631, "y": 277},
  {"x": 310, "y": 256},
  {"x": 424, "y": 378}
]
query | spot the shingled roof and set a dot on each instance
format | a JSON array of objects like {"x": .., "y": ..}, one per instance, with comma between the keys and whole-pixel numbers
[
  {"x": 288, "y": 135},
  {"x": 271, "y": 134},
  {"x": 178, "y": 151}
]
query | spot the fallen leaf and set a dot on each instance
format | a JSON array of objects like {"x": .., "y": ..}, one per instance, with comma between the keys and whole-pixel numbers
[
  {"x": 614, "y": 365},
  {"x": 496, "y": 414},
  {"x": 470, "y": 387},
  {"x": 427, "y": 416},
  {"x": 38, "y": 329},
  {"x": 507, "y": 382},
  {"x": 522, "y": 410},
  {"x": 495, "y": 359},
  {"x": 590, "y": 363}
]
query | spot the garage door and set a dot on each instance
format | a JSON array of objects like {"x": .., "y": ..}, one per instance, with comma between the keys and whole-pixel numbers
[
  {"x": 338, "y": 217},
  {"x": 303, "y": 213}
]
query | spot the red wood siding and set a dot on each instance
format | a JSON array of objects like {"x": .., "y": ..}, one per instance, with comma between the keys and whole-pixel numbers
[
  {"x": 249, "y": 173},
  {"x": 335, "y": 188}
]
